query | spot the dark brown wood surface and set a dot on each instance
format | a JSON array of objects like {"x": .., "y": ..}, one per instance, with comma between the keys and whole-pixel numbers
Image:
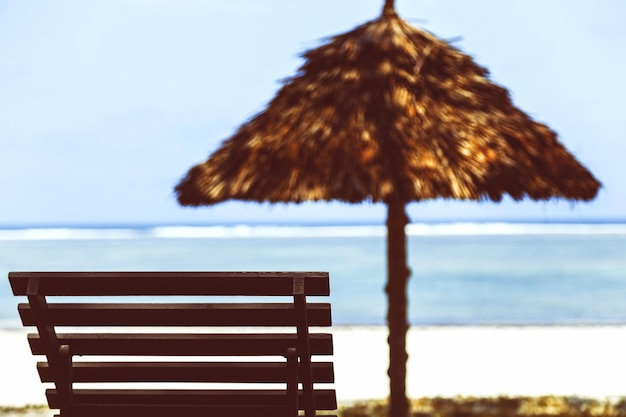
[
  {"x": 96, "y": 326},
  {"x": 227, "y": 372},
  {"x": 189, "y": 397},
  {"x": 169, "y": 283},
  {"x": 183, "y": 344},
  {"x": 180, "y": 314}
]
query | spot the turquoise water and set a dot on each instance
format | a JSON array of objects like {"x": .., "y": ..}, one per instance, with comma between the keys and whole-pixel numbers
[{"x": 461, "y": 273}]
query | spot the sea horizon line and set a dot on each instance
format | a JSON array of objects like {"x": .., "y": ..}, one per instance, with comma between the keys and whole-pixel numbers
[
  {"x": 307, "y": 230},
  {"x": 300, "y": 223}
]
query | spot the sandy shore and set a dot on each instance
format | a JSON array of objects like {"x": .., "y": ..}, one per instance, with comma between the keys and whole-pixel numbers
[{"x": 586, "y": 361}]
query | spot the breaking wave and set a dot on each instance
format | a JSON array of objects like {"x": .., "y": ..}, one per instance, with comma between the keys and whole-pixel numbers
[{"x": 308, "y": 231}]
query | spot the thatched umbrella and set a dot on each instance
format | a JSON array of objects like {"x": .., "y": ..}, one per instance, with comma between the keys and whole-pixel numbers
[{"x": 389, "y": 113}]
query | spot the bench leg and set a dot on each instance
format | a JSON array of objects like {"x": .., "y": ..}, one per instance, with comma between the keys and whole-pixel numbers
[
  {"x": 64, "y": 383},
  {"x": 292, "y": 381},
  {"x": 304, "y": 348}
]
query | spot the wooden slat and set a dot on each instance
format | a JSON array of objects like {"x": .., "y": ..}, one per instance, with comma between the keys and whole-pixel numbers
[
  {"x": 107, "y": 410},
  {"x": 196, "y": 314},
  {"x": 169, "y": 283},
  {"x": 226, "y": 372},
  {"x": 165, "y": 344},
  {"x": 324, "y": 399}
]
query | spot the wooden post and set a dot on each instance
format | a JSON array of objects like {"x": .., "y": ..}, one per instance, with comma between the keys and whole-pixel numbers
[
  {"x": 397, "y": 317},
  {"x": 292, "y": 381},
  {"x": 65, "y": 380},
  {"x": 389, "y": 8},
  {"x": 304, "y": 348}
]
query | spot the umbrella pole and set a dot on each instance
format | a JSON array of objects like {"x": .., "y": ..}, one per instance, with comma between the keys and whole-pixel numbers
[{"x": 397, "y": 321}]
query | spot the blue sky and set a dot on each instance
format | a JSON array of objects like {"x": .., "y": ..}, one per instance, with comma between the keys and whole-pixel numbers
[{"x": 105, "y": 104}]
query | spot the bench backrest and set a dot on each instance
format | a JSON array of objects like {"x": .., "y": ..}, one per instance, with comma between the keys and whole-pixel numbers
[{"x": 218, "y": 320}]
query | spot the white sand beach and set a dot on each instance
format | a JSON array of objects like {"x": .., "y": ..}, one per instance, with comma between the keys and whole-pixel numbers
[{"x": 586, "y": 361}]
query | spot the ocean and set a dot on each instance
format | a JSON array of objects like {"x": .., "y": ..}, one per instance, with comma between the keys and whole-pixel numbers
[{"x": 462, "y": 273}]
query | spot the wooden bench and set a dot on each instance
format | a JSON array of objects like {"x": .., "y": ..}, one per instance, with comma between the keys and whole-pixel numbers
[{"x": 211, "y": 351}]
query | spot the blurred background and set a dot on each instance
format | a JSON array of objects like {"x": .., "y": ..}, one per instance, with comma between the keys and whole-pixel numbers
[{"x": 105, "y": 105}]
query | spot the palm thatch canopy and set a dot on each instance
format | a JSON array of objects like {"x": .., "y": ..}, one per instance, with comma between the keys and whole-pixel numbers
[{"x": 389, "y": 112}]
